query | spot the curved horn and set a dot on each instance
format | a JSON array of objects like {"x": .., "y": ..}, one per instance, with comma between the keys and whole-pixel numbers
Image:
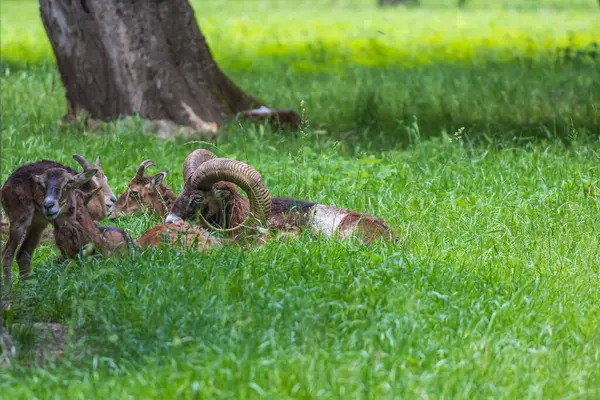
[
  {"x": 82, "y": 161},
  {"x": 139, "y": 175},
  {"x": 194, "y": 160},
  {"x": 243, "y": 175}
]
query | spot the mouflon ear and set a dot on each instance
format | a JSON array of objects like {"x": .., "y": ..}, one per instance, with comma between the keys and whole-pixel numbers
[
  {"x": 82, "y": 178},
  {"x": 158, "y": 179},
  {"x": 222, "y": 194}
]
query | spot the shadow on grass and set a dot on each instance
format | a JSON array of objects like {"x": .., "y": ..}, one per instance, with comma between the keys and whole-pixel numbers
[{"x": 376, "y": 108}]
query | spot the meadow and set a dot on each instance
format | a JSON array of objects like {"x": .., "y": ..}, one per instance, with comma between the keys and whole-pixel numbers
[{"x": 473, "y": 132}]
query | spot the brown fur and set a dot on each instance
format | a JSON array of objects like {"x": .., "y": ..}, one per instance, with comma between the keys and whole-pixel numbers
[
  {"x": 75, "y": 229},
  {"x": 180, "y": 235},
  {"x": 366, "y": 227},
  {"x": 224, "y": 206},
  {"x": 293, "y": 216},
  {"x": 47, "y": 236},
  {"x": 287, "y": 215},
  {"x": 98, "y": 206},
  {"x": 116, "y": 238},
  {"x": 146, "y": 194},
  {"x": 236, "y": 207},
  {"x": 22, "y": 200},
  {"x": 104, "y": 204}
]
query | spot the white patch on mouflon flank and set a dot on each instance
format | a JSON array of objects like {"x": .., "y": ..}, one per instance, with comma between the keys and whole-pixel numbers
[{"x": 325, "y": 219}]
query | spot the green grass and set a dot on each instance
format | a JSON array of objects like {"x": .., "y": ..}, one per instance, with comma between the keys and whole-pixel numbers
[
  {"x": 425, "y": 62},
  {"x": 480, "y": 161}
]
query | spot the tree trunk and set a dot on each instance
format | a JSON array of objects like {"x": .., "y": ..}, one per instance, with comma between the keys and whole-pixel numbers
[{"x": 147, "y": 57}]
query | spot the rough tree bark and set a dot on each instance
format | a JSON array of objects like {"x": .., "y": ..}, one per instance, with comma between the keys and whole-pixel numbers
[{"x": 147, "y": 57}]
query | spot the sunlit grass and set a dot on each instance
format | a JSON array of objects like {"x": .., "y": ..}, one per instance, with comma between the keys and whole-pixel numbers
[{"x": 312, "y": 40}]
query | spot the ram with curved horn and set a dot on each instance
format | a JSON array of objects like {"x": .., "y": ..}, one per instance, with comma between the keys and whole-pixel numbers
[
  {"x": 208, "y": 184},
  {"x": 145, "y": 194},
  {"x": 210, "y": 198}
]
